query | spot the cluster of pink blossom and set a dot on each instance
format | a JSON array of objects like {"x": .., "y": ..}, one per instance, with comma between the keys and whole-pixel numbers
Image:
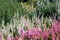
[
  {"x": 9, "y": 37},
  {"x": 52, "y": 33},
  {"x": 36, "y": 33}
]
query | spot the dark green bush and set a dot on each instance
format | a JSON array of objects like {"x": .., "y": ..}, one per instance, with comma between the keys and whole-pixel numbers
[
  {"x": 47, "y": 9},
  {"x": 8, "y": 9}
]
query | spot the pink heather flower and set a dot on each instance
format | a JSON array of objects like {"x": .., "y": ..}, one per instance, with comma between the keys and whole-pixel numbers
[
  {"x": 53, "y": 35},
  {"x": 31, "y": 39},
  {"x": 45, "y": 33},
  {"x": 53, "y": 38},
  {"x": 9, "y": 37},
  {"x": 57, "y": 38},
  {"x": 30, "y": 32},
  {"x": 22, "y": 34},
  {"x": 19, "y": 29},
  {"x": 16, "y": 37},
  {"x": 56, "y": 27},
  {"x": 13, "y": 38},
  {"x": 19, "y": 38},
  {"x": 1, "y": 37},
  {"x": 35, "y": 33}
]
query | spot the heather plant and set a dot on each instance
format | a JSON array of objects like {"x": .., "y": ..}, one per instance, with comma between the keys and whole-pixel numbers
[
  {"x": 25, "y": 30},
  {"x": 46, "y": 34}
]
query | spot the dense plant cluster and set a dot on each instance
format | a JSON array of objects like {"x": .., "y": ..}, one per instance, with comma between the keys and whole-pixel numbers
[
  {"x": 32, "y": 20},
  {"x": 52, "y": 33},
  {"x": 30, "y": 8},
  {"x": 32, "y": 33},
  {"x": 46, "y": 8}
]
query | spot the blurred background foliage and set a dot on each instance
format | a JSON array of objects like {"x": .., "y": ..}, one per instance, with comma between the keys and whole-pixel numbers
[{"x": 28, "y": 8}]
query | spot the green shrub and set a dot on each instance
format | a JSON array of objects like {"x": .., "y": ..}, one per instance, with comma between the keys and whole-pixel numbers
[
  {"x": 47, "y": 9},
  {"x": 8, "y": 9}
]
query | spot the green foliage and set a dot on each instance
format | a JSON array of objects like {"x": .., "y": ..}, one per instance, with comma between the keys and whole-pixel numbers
[
  {"x": 46, "y": 8},
  {"x": 6, "y": 11},
  {"x": 9, "y": 7}
]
